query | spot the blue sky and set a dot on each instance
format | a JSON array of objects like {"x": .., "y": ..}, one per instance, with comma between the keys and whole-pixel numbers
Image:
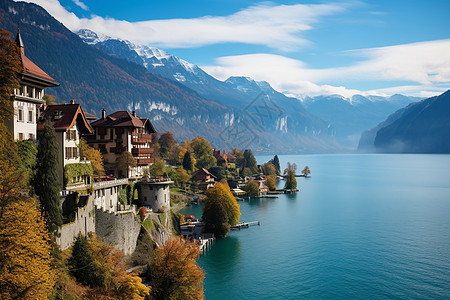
[{"x": 300, "y": 47}]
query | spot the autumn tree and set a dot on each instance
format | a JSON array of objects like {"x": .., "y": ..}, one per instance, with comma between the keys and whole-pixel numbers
[
  {"x": 271, "y": 182},
  {"x": 49, "y": 99},
  {"x": 124, "y": 162},
  {"x": 175, "y": 273},
  {"x": 157, "y": 169},
  {"x": 306, "y": 171},
  {"x": 289, "y": 174},
  {"x": 268, "y": 169},
  {"x": 181, "y": 176},
  {"x": 252, "y": 188},
  {"x": 10, "y": 66},
  {"x": 167, "y": 143},
  {"x": 46, "y": 182},
  {"x": 220, "y": 206},
  {"x": 94, "y": 156},
  {"x": 25, "y": 260},
  {"x": 250, "y": 161},
  {"x": 203, "y": 153}
]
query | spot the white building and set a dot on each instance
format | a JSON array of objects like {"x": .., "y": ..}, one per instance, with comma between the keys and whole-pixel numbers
[{"x": 28, "y": 98}]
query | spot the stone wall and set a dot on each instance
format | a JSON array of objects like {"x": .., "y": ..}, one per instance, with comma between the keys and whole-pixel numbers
[
  {"x": 118, "y": 229},
  {"x": 84, "y": 223},
  {"x": 155, "y": 195}
]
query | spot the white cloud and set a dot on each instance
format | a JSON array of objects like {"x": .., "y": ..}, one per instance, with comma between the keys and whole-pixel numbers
[
  {"x": 275, "y": 26},
  {"x": 80, "y": 4},
  {"x": 425, "y": 63}
]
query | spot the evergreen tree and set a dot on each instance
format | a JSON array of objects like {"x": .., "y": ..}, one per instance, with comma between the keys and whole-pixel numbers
[
  {"x": 187, "y": 162},
  {"x": 250, "y": 161},
  {"x": 276, "y": 162},
  {"x": 46, "y": 182}
]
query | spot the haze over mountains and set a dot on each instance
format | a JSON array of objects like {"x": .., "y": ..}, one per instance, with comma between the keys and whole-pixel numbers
[
  {"x": 421, "y": 127},
  {"x": 103, "y": 72}
]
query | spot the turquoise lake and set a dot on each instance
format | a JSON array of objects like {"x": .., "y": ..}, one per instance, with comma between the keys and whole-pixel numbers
[{"x": 362, "y": 227}]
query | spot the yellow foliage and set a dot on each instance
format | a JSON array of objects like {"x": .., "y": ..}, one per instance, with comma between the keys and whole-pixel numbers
[
  {"x": 25, "y": 260},
  {"x": 175, "y": 273},
  {"x": 221, "y": 192},
  {"x": 94, "y": 156},
  {"x": 133, "y": 289}
]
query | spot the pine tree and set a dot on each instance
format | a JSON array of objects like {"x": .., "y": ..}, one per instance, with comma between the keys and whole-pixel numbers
[
  {"x": 187, "y": 162},
  {"x": 276, "y": 163},
  {"x": 47, "y": 182}
]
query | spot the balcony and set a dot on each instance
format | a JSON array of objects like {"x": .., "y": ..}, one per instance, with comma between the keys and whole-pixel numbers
[
  {"x": 139, "y": 151},
  {"x": 144, "y": 161},
  {"x": 141, "y": 138}
]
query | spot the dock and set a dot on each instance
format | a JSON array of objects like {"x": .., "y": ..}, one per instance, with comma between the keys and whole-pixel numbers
[{"x": 240, "y": 225}]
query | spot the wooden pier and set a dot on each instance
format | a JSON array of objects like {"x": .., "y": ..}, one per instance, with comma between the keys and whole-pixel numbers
[{"x": 240, "y": 225}]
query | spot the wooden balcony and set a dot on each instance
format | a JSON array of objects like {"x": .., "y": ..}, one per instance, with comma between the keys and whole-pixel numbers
[
  {"x": 144, "y": 161},
  {"x": 141, "y": 138},
  {"x": 139, "y": 151}
]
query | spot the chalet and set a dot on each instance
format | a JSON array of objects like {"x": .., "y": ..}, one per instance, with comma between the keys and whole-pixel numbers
[
  {"x": 119, "y": 132},
  {"x": 204, "y": 179},
  {"x": 28, "y": 98},
  {"x": 69, "y": 122}
]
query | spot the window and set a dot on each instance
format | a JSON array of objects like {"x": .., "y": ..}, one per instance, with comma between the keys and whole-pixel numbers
[
  {"x": 20, "y": 136},
  {"x": 20, "y": 115},
  {"x": 30, "y": 136},
  {"x": 71, "y": 152},
  {"x": 30, "y": 116},
  {"x": 71, "y": 135}
]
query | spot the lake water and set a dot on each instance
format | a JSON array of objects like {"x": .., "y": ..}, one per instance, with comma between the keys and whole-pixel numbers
[{"x": 363, "y": 226}]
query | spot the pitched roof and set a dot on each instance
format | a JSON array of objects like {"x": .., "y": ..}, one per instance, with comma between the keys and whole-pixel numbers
[
  {"x": 202, "y": 171},
  {"x": 64, "y": 116},
  {"x": 31, "y": 69},
  {"x": 124, "y": 119}
]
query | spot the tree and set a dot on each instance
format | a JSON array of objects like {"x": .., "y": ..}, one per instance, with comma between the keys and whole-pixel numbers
[
  {"x": 10, "y": 66},
  {"x": 167, "y": 143},
  {"x": 252, "y": 188},
  {"x": 25, "y": 260},
  {"x": 268, "y": 169},
  {"x": 203, "y": 153},
  {"x": 216, "y": 218},
  {"x": 27, "y": 151},
  {"x": 289, "y": 173},
  {"x": 306, "y": 171},
  {"x": 94, "y": 156},
  {"x": 46, "y": 182},
  {"x": 271, "y": 182},
  {"x": 216, "y": 198},
  {"x": 276, "y": 162},
  {"x": 181, "y": 176},
  {"x": 219, "y": 172},
  {"x": 157, "y": 169},
  {"x": 49, "y": 99},
  {"x": 175, "y": 273},
  {"x": 188, "y": 164},
  {"x": 125, "y": 161},
  {"x": 250, "y": 161}
]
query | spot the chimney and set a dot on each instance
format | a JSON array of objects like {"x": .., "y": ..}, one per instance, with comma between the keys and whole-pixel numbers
[
  {"x": 103, "y": 114},
  {"x": 134, "y": 113},
  {"x": 72, "y": 101}
]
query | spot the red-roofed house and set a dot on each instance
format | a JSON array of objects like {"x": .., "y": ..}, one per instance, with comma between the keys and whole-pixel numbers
[
  {"x": 28, "y": 98},
  {"x": 69, "y": 122},
  {"x": 123, "y": 131},
  {"x": 204, "y": 179}
]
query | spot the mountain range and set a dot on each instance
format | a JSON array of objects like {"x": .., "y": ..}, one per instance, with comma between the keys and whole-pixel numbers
[{"x": 421, "y": 127}]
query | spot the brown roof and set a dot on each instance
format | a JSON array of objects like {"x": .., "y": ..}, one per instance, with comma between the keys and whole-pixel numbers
[
  {"x": 202, "y": 172},
  {"x": 64, "y": 116},
  {"x": 31, "y": 69},
  {"x": 124, "y": 119}
]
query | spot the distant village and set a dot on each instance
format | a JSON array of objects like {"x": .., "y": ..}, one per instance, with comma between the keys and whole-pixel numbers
[{"x": 92, "y": 203}]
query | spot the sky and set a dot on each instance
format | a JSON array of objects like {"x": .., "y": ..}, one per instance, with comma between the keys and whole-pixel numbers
[{"x": 302, "y": 48}]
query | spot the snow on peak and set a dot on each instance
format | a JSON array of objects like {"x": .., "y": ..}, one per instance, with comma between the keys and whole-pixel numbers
[{"x": 90, "y": 37}]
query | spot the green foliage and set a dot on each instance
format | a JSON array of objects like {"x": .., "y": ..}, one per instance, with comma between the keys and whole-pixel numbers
[
  {"x": 148, "y": 224},
  {"x": 75, "y": 170},
  {"x": 145, "y": 247},
  {"x": 289, "y": 173},
  {"x": 157, "y": 169},
  {"x": 250, "y": 161},
  {"x": 252, "y": 188},
  {"x": 188, "y": 164},
  {"x": 27, "y": 151},
  {"x": 203, "y": 153},
  {"x": 219, "y": 172},
  {"x": 271, "y": 182},
  {"x": 123, "y": 199},
  {"x": 46, "y": 181},
  {"x": 181, "y": 176},
  {"x": 10, "y": 66}
]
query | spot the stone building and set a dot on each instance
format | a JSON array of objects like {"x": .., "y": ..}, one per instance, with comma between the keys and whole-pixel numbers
[{"x": 155, "y": 194}]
